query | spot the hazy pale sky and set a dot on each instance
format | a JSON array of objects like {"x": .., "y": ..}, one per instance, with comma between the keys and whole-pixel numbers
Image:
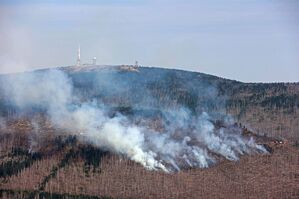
[{"x": 246, "y": 40}]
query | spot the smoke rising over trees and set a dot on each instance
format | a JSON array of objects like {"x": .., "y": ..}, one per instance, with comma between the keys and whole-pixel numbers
[{"x": 188, "y": 136}]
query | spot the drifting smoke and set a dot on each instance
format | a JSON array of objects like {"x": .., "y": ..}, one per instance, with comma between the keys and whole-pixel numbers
[
  {"x": 185, "y": 140},
  {"x": 2, "y": 123}
]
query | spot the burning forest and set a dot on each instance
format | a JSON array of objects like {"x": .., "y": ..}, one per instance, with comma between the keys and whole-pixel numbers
[
  {"x": 185, "y": 139},
  {"x": 154, "y": 118}
]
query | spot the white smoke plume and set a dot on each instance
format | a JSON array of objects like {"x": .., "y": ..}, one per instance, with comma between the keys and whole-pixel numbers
[{"x": 184, "y": 141}]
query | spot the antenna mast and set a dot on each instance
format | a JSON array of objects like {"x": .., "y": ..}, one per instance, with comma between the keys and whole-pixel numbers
[{"x": 79, "y": 57}]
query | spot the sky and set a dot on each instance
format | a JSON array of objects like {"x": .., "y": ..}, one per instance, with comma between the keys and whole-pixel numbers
[{"x": 245, "y": 40}]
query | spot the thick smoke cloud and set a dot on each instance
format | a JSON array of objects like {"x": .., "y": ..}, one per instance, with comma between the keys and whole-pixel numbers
[{"x": 185, "y": 140}]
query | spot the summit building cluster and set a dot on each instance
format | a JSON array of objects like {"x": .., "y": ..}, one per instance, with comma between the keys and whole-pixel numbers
[
  {"x": 94, "y": 62},
  {"x": 94, "y": 59}
]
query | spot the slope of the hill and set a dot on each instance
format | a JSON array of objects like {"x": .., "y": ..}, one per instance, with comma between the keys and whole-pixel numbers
[
  {"x": 267, "y": 108},
  {"x": 67, "y": 169},
  {"x": 40, "y": 159}
]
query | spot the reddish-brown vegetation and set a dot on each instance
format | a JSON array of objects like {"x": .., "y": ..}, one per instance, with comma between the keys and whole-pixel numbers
[{"x": 273, "y": 175}]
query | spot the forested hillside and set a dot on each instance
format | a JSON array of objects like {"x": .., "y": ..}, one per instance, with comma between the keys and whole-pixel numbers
[
  {"x": 42, "y": 156},
  {"x": 267, "y": 108}
]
